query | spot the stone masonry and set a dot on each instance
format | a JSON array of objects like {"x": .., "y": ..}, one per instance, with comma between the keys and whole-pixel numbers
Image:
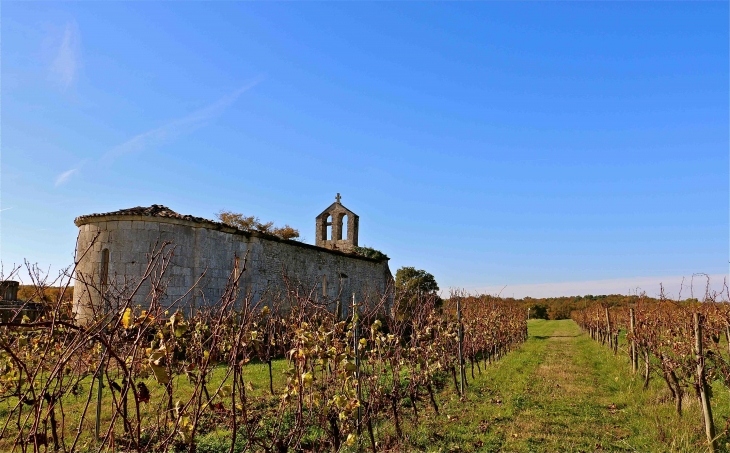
[{"x": 122, "y": 241}]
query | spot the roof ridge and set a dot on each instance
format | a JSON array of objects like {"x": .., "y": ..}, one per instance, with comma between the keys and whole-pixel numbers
[{"x": 155, "y": 210}]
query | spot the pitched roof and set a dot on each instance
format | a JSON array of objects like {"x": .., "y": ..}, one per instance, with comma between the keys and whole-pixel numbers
[{"x": 156, "y": 210}]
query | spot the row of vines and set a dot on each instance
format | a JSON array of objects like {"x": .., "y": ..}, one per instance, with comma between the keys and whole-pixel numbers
[
  {"x": 686, "y": 344},
  {"x": 335, "y": 382}
]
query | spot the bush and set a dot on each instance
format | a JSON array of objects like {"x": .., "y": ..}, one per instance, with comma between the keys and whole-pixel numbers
[
  {"x": 369, "y": 252},
  {"x": 252, "y": 223}
]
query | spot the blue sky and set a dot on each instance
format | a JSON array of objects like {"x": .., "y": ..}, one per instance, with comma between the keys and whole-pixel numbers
[{"x": 489, "y": 143}]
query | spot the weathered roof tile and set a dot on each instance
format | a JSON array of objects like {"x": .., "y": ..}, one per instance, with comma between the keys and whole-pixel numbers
[{"x": 156, "y": 210}]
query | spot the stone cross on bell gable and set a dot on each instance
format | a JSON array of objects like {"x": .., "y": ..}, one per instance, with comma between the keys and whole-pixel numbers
[{"x": 338, "y": 197}]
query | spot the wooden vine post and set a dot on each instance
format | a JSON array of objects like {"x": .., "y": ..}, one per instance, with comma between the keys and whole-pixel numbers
[
  {"x": 702, "y": 383},
  {"x": 462, "y": 373},
  {"x": 608, "y": 328},
  {"x": 647, "y": 369},
  {"x": 356, "y": 345},
  {"x": 99, "y": 396},
  {"x": 100, "y": 379},
  {"x": 632, "y": 323}
]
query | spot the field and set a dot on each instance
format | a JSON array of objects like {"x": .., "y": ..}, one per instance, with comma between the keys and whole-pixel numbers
[
  {"x": 563, "y": 392},
  {"x": 292, "y": 373},
  {"x": 256, "y": 373},
  {"x": 558, "y": 391},
  {"x": 202, "y": 383}
]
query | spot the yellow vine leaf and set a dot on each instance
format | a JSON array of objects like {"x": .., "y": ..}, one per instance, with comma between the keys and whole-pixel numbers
[{"x": 127, "y": 318}]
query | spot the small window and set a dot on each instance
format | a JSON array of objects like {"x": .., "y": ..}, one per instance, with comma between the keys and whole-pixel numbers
[
  {"x": 104, "y": 272},
  {"x": 344, "y": 227},
  {"x": 324, "y": 285},
  {"x": 328, "y": 224}
]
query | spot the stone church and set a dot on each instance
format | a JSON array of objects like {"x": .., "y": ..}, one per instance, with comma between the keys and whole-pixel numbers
[{"x": 113, "y": 250}]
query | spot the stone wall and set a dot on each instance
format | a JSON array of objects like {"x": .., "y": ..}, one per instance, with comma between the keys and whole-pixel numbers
[
  {"x": 209, "y": 249},
  {"x": 9, "y": 290}
]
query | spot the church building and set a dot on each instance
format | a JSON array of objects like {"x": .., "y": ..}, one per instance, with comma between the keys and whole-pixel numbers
[{"x": 113, "y": 250}]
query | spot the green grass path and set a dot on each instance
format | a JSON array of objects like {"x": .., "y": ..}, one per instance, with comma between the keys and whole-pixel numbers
[{"x": 563, "y": 392}]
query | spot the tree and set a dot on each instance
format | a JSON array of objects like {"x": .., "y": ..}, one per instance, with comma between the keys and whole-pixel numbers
[
  {"x": 539, "y": 311},
  {"x": 410, "y": 284},
  {"x": 33, "y": 293},
  {"x": 252, "y": 223}
]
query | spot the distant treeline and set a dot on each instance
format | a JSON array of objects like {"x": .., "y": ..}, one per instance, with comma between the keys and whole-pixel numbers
[
  {"x": 31, "y": 293},
  {"x": 561, "y": 307},
  {"x": 543, "y": 308}
]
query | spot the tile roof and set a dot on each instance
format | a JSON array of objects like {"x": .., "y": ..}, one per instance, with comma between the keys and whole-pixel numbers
[{"x": 156, "y": 210}]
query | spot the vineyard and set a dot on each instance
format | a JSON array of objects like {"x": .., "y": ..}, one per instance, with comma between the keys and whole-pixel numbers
[
  {"x": 685, "y": 344},
  {"x": 286, "y": 373},
  {"x": 294, "y": 371}
]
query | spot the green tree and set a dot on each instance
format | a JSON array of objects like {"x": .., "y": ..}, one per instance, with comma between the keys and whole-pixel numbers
[
  {"x": 410, "y": 284},
  {"x": 539, "y": 311}
]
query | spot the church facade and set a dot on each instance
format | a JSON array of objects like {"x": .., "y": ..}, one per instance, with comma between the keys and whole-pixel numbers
[{"x": 113, "y": 251}]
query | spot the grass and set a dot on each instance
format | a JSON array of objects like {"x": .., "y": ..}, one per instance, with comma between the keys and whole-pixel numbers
[
  {"x": 563, "y": 392},
  {"x": 73, "y": 406}
]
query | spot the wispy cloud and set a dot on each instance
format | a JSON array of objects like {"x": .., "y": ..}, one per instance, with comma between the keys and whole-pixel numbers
[
  {"x": 161, "y": 135},
  {"x": 65, "y": 176},
  {"x": 674, "y": 287},
  {"x": 65, "y": 66},
  {"x": 6, "y": 209},
  {"x": 174, "y": 129}
]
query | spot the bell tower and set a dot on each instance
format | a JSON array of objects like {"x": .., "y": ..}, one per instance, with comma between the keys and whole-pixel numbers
[{"x": 337, "y": 227}]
